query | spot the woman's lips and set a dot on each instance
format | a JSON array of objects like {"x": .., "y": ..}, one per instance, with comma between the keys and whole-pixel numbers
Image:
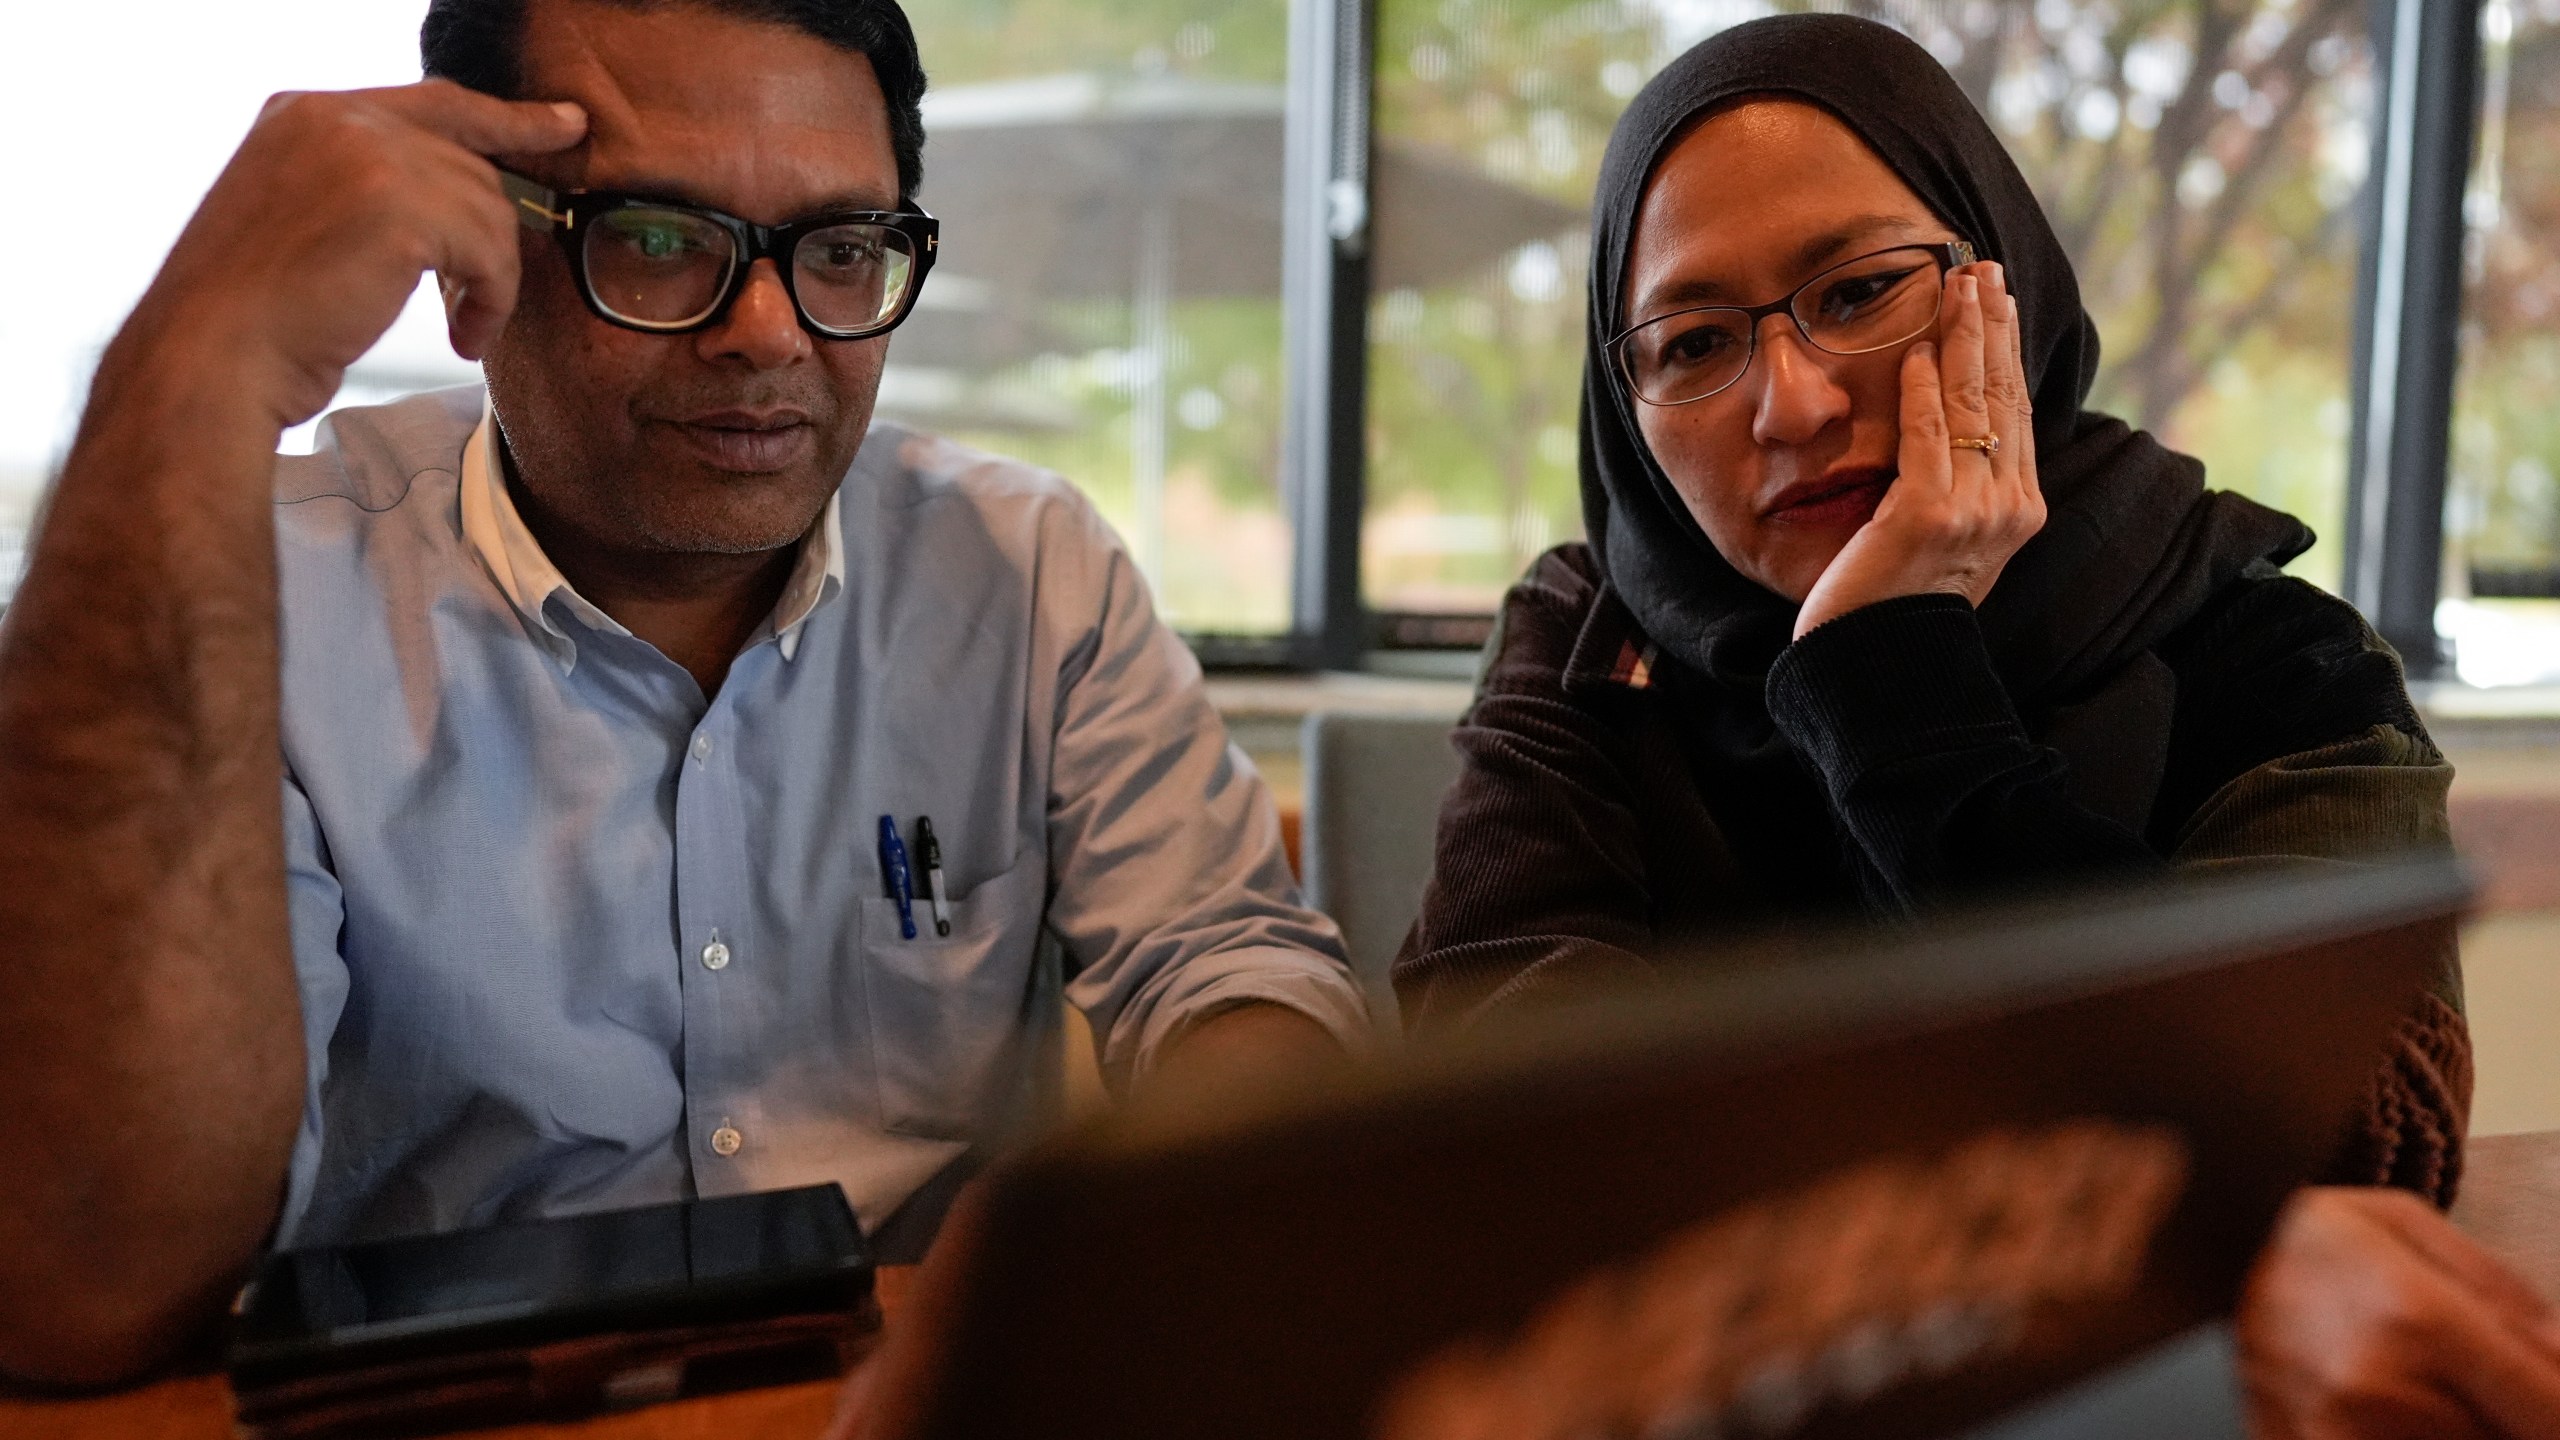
[
  {"x": 748, "y": 447},
  {"x": 1851, "y": 502}
]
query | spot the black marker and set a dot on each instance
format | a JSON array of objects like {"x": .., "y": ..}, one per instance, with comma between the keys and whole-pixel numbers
[{"x": 929, "y": 855}]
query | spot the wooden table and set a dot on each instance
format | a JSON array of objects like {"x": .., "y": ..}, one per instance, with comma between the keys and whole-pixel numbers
[
  {"x": 2510, "y": 1203},
  {"x": 198, "y": 1407}
]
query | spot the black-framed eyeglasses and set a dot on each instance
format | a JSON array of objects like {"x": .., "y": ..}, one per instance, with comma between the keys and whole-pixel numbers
[
  {"x": 1856, "y": 307},
  {"x": 668, "y": 268}
]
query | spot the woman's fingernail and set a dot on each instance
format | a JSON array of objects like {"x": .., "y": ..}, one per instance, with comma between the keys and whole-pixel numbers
[
  {"x": 1925, "y": 350},
  {"x": 570, "y": 111}
]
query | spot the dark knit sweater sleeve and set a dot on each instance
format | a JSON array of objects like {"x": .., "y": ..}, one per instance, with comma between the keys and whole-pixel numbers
[
  {"x": 2294, "y": 743},
  {"x": 1928, "y": 766},
  {"x": 2297, "y": 741},
  {"x": 1537, "y": 878}
]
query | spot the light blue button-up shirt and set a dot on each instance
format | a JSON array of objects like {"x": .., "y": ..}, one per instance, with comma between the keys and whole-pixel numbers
[{"x": 571, "y": 936}]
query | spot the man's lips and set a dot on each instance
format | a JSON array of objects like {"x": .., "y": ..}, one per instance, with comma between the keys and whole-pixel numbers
[
  {"x": 1842, "y": 496},
  {"x": 746, "y": 441}
]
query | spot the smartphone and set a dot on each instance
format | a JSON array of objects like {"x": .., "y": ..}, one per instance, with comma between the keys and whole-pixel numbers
[{"x": 553, "y": 1317}]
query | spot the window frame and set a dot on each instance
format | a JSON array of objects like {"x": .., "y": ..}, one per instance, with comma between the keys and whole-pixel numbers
[{"x": 2408, "y": 320}]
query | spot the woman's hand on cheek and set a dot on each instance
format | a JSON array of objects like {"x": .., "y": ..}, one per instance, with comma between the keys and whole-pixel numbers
[{"x": 1953, "y": 517}]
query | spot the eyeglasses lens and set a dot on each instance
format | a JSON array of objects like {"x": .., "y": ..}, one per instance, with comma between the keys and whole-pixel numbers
[
  {"x": 658, "y": 267},
  {"x": 1688, "y": 355},
  {"x": 853, "y": 277},
  {"x": 1870, "y": 303}
]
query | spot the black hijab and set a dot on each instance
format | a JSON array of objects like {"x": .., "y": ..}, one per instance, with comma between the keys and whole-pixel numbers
[{"x": 2133, "y": 544}]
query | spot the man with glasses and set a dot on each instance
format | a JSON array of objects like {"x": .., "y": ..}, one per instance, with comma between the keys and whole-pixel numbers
[{"x": 680, "y": 773}]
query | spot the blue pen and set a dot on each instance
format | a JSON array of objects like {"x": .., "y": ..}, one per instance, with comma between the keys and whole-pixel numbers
[{"x": 902, "y": 881}]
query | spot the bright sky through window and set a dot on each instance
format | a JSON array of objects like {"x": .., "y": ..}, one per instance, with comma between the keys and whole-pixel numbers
[{"x": 119, "y": 117}]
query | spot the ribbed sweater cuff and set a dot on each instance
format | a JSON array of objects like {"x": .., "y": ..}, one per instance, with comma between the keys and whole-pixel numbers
[{"x": 1887, "y": 682}]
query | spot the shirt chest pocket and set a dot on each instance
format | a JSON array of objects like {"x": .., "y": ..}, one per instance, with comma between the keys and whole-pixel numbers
[{"x": 950, "y": 1038}]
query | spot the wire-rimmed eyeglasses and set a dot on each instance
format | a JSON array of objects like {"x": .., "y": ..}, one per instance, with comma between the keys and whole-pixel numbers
[
  {"x": 668, "y": 268},
  {"x": 1856, "y": 307}
]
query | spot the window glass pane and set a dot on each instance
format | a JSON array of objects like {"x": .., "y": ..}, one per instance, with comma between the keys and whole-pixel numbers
[
  {"x": 121, "y": 116},
  {"x": 1106, "y": 302},
  {"x": 2502, "y": 515},
  {"x": 1107, "y": 298},
  {"x": 2200, "y": 161}
]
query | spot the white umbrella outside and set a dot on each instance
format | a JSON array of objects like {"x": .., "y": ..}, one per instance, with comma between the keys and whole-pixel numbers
[{"x": 1159, "y": 188}]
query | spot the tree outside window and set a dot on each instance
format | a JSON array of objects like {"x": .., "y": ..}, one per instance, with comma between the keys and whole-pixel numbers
[{"x": 2200, "y": 160}]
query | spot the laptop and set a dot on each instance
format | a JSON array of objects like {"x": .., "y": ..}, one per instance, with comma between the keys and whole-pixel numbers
[{"x": 1909, "y": 1184}]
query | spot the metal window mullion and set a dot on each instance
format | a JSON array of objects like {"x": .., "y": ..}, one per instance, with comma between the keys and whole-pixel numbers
[
  {"x": 1325, "y": 314},
  {"x": 2410, "y": 296}
]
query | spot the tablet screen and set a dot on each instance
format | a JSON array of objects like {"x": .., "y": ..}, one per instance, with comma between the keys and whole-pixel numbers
[{"x": 603, "y": 1261}]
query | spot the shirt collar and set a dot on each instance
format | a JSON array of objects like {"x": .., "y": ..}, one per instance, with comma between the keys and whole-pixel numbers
[{"x": 494, "y": 528}]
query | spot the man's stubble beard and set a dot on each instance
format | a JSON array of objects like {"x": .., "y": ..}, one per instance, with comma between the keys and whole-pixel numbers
[{"x": 552, "y": 469}]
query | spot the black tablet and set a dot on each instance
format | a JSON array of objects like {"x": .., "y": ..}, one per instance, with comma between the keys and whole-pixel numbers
[{"x": 552, "y": 1317}]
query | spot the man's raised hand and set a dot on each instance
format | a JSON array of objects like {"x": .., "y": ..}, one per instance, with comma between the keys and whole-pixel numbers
[{"x": 315, "y": 235}]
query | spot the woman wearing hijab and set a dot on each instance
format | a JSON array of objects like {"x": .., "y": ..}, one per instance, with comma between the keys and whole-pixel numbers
[{"x": 1874, "y": 615}]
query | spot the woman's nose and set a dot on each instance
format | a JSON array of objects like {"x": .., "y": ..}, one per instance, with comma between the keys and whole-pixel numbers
[{"x": 1797, "y": 394}]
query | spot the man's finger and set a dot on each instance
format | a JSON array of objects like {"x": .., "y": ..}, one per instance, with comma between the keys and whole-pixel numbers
[
  {"x": 480, "y": 292},
  {"x": 485, "y": 124},
  {"x": 2511, "y": 1383},
  {"x": 473, "y": 320},
  {"x": 476, "y": 264},
  {"x": 2426, "y": 1231}
]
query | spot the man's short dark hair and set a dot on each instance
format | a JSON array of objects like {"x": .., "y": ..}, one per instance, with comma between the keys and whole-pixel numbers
[{"x": 480, "y": 44}]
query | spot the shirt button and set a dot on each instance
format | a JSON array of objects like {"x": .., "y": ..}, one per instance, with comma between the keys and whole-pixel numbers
[
  {"x": 725, "y": 1141},
  {"x": 715, "y": 956},
  {"x": 701, "y": 747}
]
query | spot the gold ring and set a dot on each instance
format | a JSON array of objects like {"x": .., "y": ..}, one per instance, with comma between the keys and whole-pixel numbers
[{"x": 1987, "y": 444}]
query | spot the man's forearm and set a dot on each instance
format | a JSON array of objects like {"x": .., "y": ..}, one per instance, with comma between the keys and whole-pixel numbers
[
  {"x": 1236, "y": 1054},
  {"x": 149, "y": 1032}
]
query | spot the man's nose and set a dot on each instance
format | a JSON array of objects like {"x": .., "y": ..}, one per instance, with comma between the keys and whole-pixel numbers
[
  {"x": 1797, "y": 395},
  {"x": 762, "y": 327}
]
